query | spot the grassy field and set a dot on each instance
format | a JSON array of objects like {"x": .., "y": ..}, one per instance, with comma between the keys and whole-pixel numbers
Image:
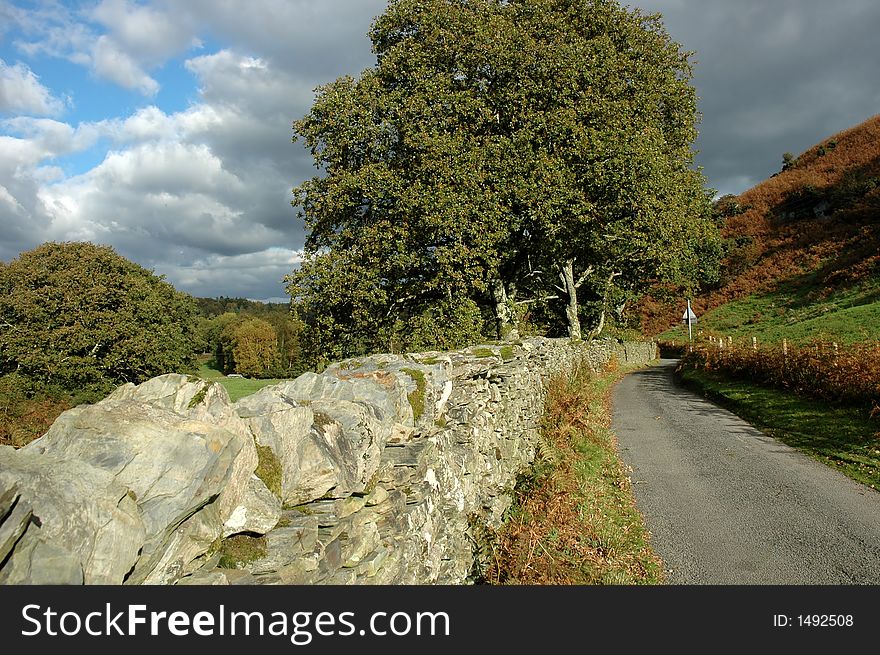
[
  {"x": 845, "y": 438},
  {"x": 575, "y": 520},
  {"x": 799, "y": 311},
  {"x": 236, "y": 387}
]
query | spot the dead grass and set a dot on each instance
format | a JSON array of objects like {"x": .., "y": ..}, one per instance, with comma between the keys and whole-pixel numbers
[{"x": 574, "y": 521}]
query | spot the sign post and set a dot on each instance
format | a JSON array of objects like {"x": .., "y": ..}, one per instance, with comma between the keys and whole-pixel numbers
[{"x": 690, "y": 318}]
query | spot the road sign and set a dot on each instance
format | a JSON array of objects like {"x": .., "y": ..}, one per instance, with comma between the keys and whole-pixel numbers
[{"x": 690, "y": 318}]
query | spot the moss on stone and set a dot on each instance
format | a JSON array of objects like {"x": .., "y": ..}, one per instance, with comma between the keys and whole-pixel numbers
[
  {"x": 322, "y": 420},
  {"x": 483, "y": 352},
  {"x": 507, "y": 353},
  {"x": 302, "y": 509},
  {"x": 240, "y": 550},
  {"x": 200, "y": 396},
  {"x": 416, "y": 398},
  {"x": 268, "y": 469}
]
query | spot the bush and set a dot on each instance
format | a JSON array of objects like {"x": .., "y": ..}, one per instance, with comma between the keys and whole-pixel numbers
[
  {"x": 24, "y": 413},
  {"x": 81, "y": 319},
  {"x": 845, "y": 375}
]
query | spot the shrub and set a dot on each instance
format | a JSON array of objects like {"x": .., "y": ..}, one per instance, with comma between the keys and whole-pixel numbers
[
  {"x": 445, "y": 325},
  {"x": 81, "y": 318},
  {"x": 24, "y": 413},
  {"x": 846, "y": 375}
]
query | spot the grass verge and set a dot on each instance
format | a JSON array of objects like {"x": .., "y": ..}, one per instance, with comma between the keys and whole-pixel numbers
[
  {"x": 845, "y": 438},
  {"x": 574, "y": 520}
]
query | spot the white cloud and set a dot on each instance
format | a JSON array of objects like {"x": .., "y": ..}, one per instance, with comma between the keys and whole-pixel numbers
[
  {"x": 257, "y": 275},
  {"x": 112, "y": 63},
  {"x": 7, "y": 199},
  {"x": 320, "y": 39},
  {"x": 50, "y": 138},
  {"x": 144, "y": 32},
  {"x": 21, "y": 92},
  {"x": 117, "y": 40},
  {"x": 251, "y": 84}
]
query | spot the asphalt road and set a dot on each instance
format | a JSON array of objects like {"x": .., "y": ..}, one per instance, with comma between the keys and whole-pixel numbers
[{"x": 726, "y": 504}]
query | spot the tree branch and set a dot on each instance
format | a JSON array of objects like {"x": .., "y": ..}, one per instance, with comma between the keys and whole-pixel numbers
[
  {"x": 583, "y": 277},
  {"x": 541, "y": 299}
]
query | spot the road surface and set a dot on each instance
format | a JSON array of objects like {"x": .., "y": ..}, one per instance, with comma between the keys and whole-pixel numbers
[{"x": 726, "y": 504}]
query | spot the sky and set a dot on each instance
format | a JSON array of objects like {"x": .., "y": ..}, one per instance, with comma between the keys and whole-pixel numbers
[{"x": 163, "y": 127}]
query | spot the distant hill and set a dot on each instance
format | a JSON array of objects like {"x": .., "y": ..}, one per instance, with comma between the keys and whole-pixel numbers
[{"x": 803, "y": 249}]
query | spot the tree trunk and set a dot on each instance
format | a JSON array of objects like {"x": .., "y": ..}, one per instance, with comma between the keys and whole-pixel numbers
[
  {"x": 595, "y": 332},
  {"x": 503, "y": 314},
  {"x": 571, "y": 309},
  {"x": 601, "y": 326}
]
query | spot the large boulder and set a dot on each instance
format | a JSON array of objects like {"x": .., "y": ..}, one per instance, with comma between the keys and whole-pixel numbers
[
  {"x": 328, "y": 433},
  {"x": 185, "y": 455},
  {"x": 65, "y": 521}
]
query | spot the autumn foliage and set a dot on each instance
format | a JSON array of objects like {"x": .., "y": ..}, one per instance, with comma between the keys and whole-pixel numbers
[{"x": 827, "y": 371}]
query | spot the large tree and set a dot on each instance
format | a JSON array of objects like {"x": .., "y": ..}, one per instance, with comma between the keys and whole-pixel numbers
[
  {"x": 80, "y": 317},
  {"x": 498, "y": 147}
]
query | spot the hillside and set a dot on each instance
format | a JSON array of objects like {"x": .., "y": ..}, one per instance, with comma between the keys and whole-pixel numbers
[{"x": 803, "y": 250}]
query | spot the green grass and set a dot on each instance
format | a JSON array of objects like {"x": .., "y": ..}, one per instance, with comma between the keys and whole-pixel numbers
[
  {"x": 237, "y": 388},
  {"x": 846, "y": 439},
  {"x": 800, "y": 311}
]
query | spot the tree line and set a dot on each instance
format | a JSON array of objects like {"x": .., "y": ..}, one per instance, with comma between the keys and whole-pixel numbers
[{"x": 77, "y": 320}]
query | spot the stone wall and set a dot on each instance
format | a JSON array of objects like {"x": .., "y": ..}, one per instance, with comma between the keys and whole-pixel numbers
[{"x": 380, "y": 470}]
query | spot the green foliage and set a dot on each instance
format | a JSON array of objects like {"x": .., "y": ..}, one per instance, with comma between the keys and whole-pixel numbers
[
  {"x": 493, "y": 139},
  {"x": 80, "y": 318},
  {"x": 248, "y": 345},
  {"x": 211, "y": 307},
  {"x": 446, "y": 325}
]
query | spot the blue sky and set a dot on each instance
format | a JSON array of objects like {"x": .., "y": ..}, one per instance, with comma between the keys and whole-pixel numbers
[{"x": 163, "y": 127}]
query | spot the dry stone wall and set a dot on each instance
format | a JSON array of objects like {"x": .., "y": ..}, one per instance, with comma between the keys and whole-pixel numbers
[{"x": 381, "y": 470}]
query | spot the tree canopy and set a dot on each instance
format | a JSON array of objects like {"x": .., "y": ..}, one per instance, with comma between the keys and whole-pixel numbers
[
  {"x": 500, "y": 152},
  {"x": 79, "y": 317}
]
